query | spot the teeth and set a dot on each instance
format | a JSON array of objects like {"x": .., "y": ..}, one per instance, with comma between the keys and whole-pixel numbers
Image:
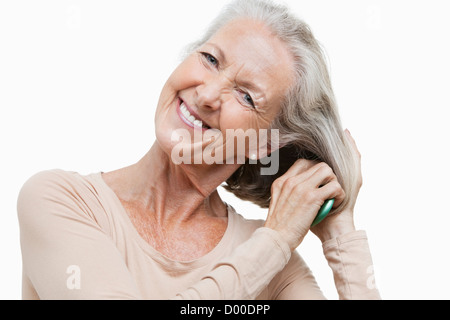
[{"x": 190, "y": 117}]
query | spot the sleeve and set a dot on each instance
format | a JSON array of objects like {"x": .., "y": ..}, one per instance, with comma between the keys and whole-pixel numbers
[
  {"x": 296, "y": 282},
  {"x": 351, "y": 262},
  {"x": 66, "y": 255},
  {"x": 246, "y": 272}
]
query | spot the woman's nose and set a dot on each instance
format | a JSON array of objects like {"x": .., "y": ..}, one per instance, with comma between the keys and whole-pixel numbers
[{"x": 209, "y": 94}]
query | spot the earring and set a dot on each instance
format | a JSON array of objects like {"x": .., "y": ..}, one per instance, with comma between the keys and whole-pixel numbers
[{"x": 253, "y": 157}]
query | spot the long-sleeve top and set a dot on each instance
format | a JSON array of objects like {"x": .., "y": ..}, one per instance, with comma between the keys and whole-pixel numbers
[{"x": 78, "y": 242}]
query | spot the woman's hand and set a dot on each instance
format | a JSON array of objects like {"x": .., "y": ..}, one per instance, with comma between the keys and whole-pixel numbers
[
  {"x": 341, "y": 223},
  {"x": 297, "y": 197}
]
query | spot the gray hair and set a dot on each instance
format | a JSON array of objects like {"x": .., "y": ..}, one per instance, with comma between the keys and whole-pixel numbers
[{"x": 309, "y": 124}]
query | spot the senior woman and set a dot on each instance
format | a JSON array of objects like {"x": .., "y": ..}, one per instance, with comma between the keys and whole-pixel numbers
[{"x": 158, "y": 229}]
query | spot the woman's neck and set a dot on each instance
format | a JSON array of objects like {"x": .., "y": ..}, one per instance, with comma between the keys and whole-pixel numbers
[{"x": 170, "y": 192}]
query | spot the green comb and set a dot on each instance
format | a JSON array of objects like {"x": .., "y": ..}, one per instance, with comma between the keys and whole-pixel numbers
[{"x": 323, "y": 212}]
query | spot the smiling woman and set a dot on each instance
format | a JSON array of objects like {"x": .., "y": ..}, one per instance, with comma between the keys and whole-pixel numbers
[{"x": 158, "y": 229}]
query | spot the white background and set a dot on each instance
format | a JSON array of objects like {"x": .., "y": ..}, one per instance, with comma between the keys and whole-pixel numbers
[{"x": 79, "y": 82}]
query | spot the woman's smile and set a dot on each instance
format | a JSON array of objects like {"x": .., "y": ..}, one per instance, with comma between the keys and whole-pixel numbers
[{"x": 189, "y": 117}]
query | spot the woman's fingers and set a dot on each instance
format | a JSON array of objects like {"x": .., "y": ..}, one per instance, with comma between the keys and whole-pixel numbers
[
  {"x": 288, "y": 189},
  {"x": 320, "y": 174},
  {"x": 297, "y": 199},
  {"x": 333, "y": 190},
  {"x": 356, "y": 155},
  {"x": 352, "y": 143},
  {"x": 326, "y": 181},
  {"x": 300, "y": 166}
]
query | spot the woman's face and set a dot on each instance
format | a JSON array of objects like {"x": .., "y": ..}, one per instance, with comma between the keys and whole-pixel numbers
[{"x": 236, "y": 80}]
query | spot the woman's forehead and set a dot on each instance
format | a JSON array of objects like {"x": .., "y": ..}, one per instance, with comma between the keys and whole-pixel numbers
[{"x": 254, "y": 51}]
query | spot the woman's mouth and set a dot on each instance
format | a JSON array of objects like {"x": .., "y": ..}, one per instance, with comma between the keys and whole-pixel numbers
[{"x": 189, "y": 117}]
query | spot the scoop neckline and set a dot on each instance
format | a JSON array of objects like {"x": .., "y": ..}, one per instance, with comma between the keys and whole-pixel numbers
[{"x": 155, "y": 254}]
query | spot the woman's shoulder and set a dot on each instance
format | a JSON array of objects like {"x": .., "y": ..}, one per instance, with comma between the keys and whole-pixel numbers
[
  {"x": 56, "y": 191},
  {"x": 51, "y": 182},
  {"x": 50, "y": 174}
]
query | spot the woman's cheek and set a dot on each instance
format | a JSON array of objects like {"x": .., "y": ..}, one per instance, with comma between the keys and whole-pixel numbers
[
  {"x": 187, "y": 75},
  {"x": 240, "y": 138}
]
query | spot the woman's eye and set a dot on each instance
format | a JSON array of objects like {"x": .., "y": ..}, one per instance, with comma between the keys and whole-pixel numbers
[
  {"x": 211, "y": 59},
  {"x": 248, "y": 99}
]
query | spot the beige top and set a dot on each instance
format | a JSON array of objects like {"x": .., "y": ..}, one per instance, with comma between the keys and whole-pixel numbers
[{"x": 78, "y": 243}]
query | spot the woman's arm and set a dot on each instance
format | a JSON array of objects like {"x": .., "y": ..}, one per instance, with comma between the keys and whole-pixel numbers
[
  {"x": 304, "y": 187},
  {"x": 351, "y": 262},
  {"x": 246, "y": 272}
]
